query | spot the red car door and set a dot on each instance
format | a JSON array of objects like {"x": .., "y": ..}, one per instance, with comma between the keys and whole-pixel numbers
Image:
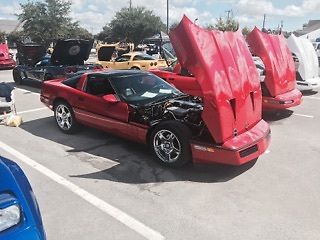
[{"x": 94, "y": 111}]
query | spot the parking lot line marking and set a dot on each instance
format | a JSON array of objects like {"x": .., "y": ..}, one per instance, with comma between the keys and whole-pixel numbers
[
  {"x": 32, "y": 110},
  {"x": 267, "y": 151},
  {"x": 303, "y": 115},
  {"x": 27, "y": 91},
  {"x": 310, "y": 97},
  {"x": 112, "y": 211}
]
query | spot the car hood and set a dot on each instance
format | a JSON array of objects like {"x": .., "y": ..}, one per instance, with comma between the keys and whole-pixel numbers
[
  {"x": 308, "y": 60},
  {"x": 276, "y": 56},
  {"x": 4, "y": 52},
  {"x": 105, "y": 53},
  {"x": 222, "y": 64},
  {"x": 71, "y": 52},
  {"x": 31, "y": 53}
]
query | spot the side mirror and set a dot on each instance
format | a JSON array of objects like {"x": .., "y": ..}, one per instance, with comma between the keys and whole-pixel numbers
[{"x": 110, "y": 98}]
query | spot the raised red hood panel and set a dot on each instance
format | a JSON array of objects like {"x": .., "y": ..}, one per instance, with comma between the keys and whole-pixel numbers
[
  {"x": 223, "y": 66},
  {"x": 277, "y": 59},
  {"x": 4, "y": 51}
]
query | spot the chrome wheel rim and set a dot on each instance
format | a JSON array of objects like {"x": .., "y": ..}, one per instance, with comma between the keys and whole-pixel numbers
[
  {"x": 166, "y": 146},
  {"x": 63, "y": 117}
]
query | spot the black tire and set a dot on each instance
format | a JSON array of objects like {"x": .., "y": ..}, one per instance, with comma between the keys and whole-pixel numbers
[
  {"x": 17, "y": 76},
  {"x": 135, "y": 68},
  {"x": 47, "y": 77},
  {"x": 64, "y": 117},
  {"x": 173, "y": 137}
]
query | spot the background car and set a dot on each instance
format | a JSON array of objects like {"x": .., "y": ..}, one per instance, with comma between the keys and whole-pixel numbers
[
  {"x": 6, "y": 61},
  {"x": 67, "y": 56},
  {"x": 20, "y": 216},
  {"x": 279, "y": 86},
  {"x": 307, "y": 71},
  {"x": 132, "y": 60}
]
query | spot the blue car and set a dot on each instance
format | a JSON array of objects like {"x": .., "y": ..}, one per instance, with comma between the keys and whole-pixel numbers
[{"x": 20, "y": 217}]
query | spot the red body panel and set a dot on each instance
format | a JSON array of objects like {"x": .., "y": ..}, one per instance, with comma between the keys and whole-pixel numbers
[
  {"x": 93, "y": 111},
  {"x": 282, "y": 101},
  {"x": 186, "y": 84},
  {"x": 5, "y": 60},
  {"x": 223, "y": 66},
  {"x": 280, "y": 77},
  {"x": 236, "y": 151}
]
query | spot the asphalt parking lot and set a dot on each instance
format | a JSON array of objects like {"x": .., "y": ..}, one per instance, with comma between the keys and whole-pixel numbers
[{"x": 92, "y": 185}]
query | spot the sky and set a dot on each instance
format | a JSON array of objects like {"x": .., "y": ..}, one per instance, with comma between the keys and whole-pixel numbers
[{"x": 94, "y": 14}]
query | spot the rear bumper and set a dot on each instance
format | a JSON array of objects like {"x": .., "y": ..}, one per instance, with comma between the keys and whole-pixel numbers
[
  {"x": 309, "y": 84},
  {"x": 236, "y": 151},
  {"x": 282, "y": 101},
  {"x": 7, "y": 64}
]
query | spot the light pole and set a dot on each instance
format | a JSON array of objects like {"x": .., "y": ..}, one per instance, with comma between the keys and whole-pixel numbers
[{"x": 167, "y": 16}]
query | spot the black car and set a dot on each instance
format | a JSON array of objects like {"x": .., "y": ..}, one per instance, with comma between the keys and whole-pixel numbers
[{"x": 68, "y": 56}]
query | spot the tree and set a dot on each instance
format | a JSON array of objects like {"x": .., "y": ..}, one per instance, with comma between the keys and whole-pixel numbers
[
  {"x": 105, "y": 35},
  {"x": 16, "y": 36},
  {"x": 245, "y": 31},
  {"x": 229, "y": 24},
  {"x": 49, "y": 20},
  {"x": 135, "y": 24},
  {"x": 2, "y": 37}
]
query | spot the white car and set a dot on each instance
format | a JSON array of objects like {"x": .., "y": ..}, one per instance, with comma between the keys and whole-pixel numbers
[{"x": 308, "y": 70}]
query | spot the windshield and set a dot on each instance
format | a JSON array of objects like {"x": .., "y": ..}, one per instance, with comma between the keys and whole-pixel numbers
[{"x": 142, "y": 89}]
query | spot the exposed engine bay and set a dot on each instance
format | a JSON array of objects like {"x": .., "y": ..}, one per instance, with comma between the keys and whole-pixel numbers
[{"x": 186, "y": 109}]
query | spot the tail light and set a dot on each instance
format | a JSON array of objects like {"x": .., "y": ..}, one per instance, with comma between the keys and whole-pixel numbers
[
  {"x": 155, "y": 63},
  {"x": 151, "y": 64}
]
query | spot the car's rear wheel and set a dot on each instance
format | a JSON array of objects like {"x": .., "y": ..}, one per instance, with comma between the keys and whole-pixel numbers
[
  {"x": 169, "y": 142},
  {"x": 17, "y": 77},
  {"x": 135, "y": 68},
  {"x": 64, "y": 117}
]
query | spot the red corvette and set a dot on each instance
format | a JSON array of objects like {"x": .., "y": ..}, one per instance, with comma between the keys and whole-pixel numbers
[
  {"x": 224, "y": 125},
  {"x": 6, "y": 61},
  {"x": 279, "y": 85}
]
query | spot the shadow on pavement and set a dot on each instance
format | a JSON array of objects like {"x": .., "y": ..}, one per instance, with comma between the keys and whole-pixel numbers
[
  {"x": 309, "y": 93},
  {"x": 276, "y": 115},
  {"x": 131, "y": 162}
]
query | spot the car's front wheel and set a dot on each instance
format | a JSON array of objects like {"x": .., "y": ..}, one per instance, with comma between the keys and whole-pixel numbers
[
  {"x": 169, "y": 142},
  {"x": 17, "y": 76},
  {"x": 64, "y": 117}
]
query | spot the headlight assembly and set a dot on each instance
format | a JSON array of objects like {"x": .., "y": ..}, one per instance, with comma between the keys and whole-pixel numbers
[{"x": 9, "y": 217}]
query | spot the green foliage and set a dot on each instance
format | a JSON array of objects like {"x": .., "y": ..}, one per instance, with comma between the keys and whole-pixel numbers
[
  {"x": 229, "y": 24},
  {"x": 105, "y": 35},
  {"x": 245, "y": 31},
  {"x": 132, "y": 25},
  {"x": 16, "y": 36},
  {"x": 49, "y": 20},
  {"x": 2, "y": 37}
]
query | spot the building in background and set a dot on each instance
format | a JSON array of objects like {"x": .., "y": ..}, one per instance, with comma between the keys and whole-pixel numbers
[{"x": 310, "y": 30}]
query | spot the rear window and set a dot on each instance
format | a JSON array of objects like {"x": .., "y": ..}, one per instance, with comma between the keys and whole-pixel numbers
[{"x": 73, "y": 81}]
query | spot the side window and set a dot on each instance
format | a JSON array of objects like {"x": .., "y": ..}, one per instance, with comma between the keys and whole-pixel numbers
[
  {"x": 98, "y": 85},
  {"x": 72, "y": 82},
  {"x": 123, "y": 59},
  {"x": 138, "y": 58}
]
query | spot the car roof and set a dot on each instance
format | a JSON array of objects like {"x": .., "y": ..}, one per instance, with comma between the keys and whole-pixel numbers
[{"x": 109, "y": 73}]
